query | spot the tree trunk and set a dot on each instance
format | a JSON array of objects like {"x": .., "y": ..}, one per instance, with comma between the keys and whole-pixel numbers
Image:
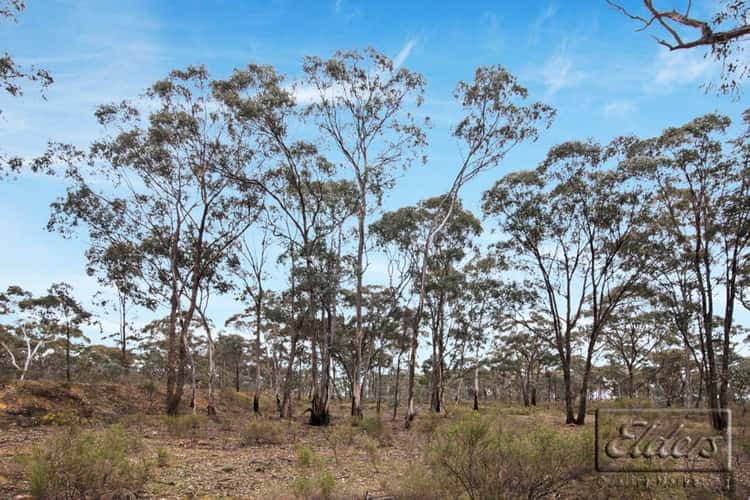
[
  {"x": 258, "y": 319},
  {"x": 359, "y": 332},
  {"x": 476, "y": 386},
  {"x": 567, "y": 382},
  {"x": 67, "y": 354},
  {"x": 211, "y": 406}
]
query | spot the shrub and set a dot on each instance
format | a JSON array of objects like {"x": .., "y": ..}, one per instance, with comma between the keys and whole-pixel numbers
[
  {"x": 339, "y": 437},
  {"x": 258, "y": 432},
  {"x": 148, "y": 388},
  {"x": 371, "y": 446},
  {"x": 87, "y": 465},
  {"x": 485, "y": 460},
  {"x": 162, "y": 457},
  {"x": 376, "y": 429},
  {"x": 302, "y": 487},
  {"x": 428, "y": 423},
  {"x": 186, "y": 426},
  {"x": 305, "y": 456},
  {"x": 61, "y": 419},
  {"x": 325, "y": 483},
  {"x": 313, "y": 480}
]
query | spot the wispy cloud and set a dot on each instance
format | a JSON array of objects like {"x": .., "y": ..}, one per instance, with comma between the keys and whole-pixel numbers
[
  {"x": 618, "y": 109},
  {"x": 558, "y": 73},
  {"x": 405, "y": 51},
  {"x": 536, "y": 26},
  {"x": 491, "y": 32},
  {"x": 680, "y": 68}
]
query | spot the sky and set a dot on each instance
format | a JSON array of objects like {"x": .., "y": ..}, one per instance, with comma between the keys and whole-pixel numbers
[{"x": 582, "y": 57}]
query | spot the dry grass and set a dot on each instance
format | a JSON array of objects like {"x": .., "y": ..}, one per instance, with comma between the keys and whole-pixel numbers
[{"x": 204, "y": 457}]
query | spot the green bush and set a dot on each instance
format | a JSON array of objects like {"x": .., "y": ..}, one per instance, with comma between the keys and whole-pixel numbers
[
  {"x": 371, "y": 446},
  {"x": 62, "y": 419},
  {"x": 305, "y": 456},
  {"x": 186, "y": 426},
  {"x": 427, "y": 423},
  {"x": 258, "y": 432},
  {"x": 484, "y": 460},
  {"x": 75, "y": 464},
  {"x": 313, "y": 480},
  {"x": 339, "y": 437},
  {"x": 377, "y": 429},
  {"x": 162, "y": 457},
  {"x": 326, "y": 483}
]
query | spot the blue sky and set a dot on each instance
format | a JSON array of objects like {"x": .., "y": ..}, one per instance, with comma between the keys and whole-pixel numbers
[{"x": 580, "y": 56}]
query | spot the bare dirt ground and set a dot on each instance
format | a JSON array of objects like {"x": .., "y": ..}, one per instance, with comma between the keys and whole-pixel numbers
[{"x": 208, "y": 460}]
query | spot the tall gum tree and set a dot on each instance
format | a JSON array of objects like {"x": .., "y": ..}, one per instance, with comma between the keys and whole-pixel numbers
[
  {"x": 164, "y": 185},
  {"x": 496, "y": 119},
  {"x": 574, "y": 225},
  {"x": 361, "y": 107},
  {"x": 701, "y": 210}
]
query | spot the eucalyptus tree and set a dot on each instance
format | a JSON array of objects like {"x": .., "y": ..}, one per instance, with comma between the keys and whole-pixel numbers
[
  {"x": 445, "y": 282},
  {"x": 630, "y": 338},
  {"x": 360, "y": 104},
  {"x": 164, "y": 185},
  {"x": 496, "y": 119},
  {"x": 573, "y": 225},
  {"x": 482, "y": 298},
  {"x": 231, "y": 348},
  {"x": 528, "y": 354},
  {"x": 340, "y": 201},
  {"x": 295, "y": 185},
  {"x": 249, "y": 264},
  {"x": 68, "y": 315},
  {"x": 11, "y": 73},
  {"x": 32, "y": 329},
  {"x": 12, "y": 76},
  {"x": 703, "y": 192},
  {"x": 120, "y": 266}
]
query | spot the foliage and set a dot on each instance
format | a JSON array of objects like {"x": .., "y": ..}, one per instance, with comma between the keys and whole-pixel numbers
[
  {"x": 259, "y": 431},
  {"x": 186, "y": 426},
  {"x": 162, "y": 457},
  {"x": 60, "y": 419},
  {"x": 377, "y": 429},
  {"x": 313, "y": 479},
  {"x": 485, "y": 460},
  {"x": 75, "y": 464}
]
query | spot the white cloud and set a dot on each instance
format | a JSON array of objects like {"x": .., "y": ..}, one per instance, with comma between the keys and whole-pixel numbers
[
  {"x": 679, "y": 68},
  {"x": 536, "y": 26},
  {"x": 405, "y": 51},
  {"x": 618, "y": 109},
  {"x": 558, "y": 73}
]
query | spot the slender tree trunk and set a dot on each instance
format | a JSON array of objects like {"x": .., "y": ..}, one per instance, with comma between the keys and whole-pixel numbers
[
  {"x": 67, "y": 354},
  {"x": 258, "y": 320},
  {"x": 211, "y": 406},
  {"x": 476, "y": 386},
  {"x": 396, "y": 387},
  {"x": 124, "y": 334},
  {"x": 359, "y": 332},
  {"x": 567, "y": 383},
  {"x": 172, "y": 402}
]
